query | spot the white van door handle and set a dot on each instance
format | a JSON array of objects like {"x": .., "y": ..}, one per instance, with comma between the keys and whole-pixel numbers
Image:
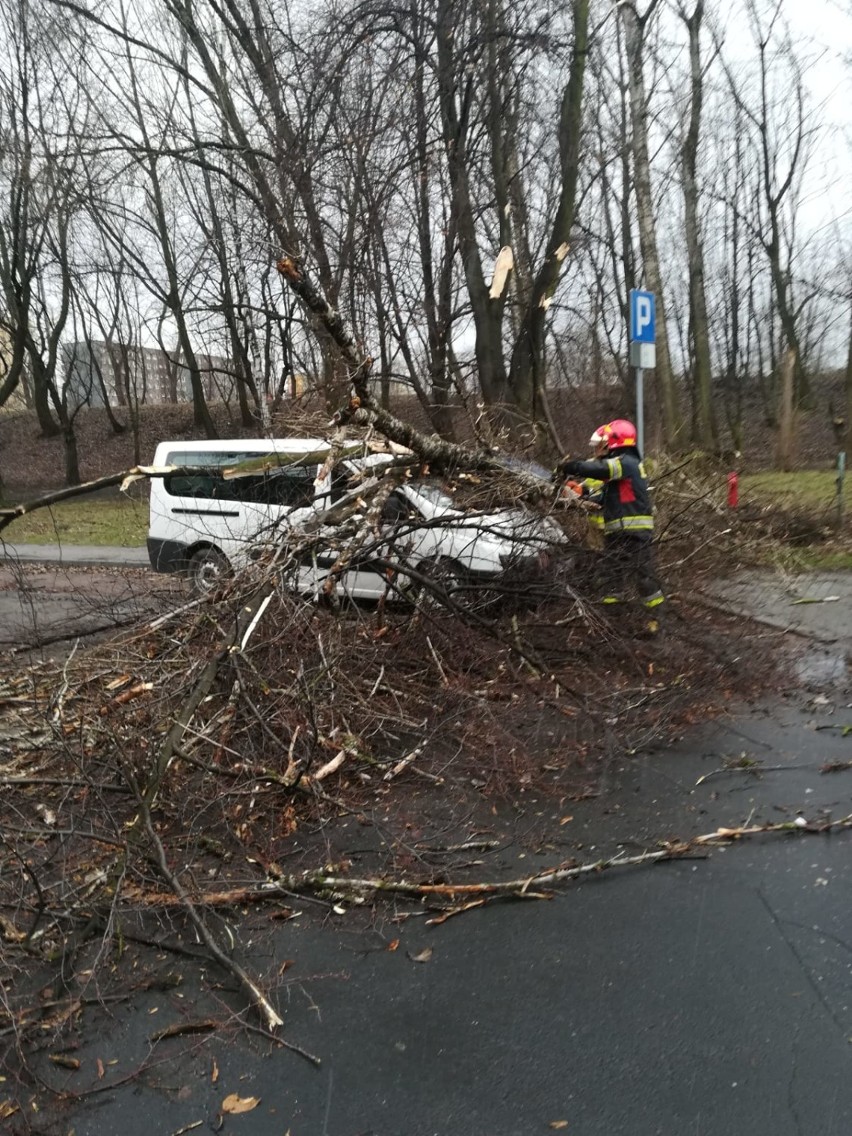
[{"x": 206, "y": 512}]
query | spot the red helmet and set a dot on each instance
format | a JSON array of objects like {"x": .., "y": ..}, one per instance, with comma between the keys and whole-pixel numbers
[{"x": 615, "y": 434}]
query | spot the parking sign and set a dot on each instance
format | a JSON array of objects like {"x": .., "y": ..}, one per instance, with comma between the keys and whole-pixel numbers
[{"x": 642, "y": 317}]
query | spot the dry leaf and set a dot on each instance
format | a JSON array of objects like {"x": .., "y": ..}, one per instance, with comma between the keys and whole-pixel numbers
[
  {"x": 393, "y": 945},
  {"x": 214, "y": 1076},
  {"x": 7, "y": 1108},
  {"x": 559, "y": 1124},
  {"x": 565, "y": 820},
  {"x": 100, "y": 1069},
  {"x": 233, "y": 1104},
  {"x": 423, "y": 956}
]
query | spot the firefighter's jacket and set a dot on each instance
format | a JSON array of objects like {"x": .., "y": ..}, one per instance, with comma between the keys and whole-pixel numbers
[{"x": 624, "y": 497}]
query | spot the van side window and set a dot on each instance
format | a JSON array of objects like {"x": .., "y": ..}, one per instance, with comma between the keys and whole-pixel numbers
[
  {"x": 206, "y": 483},
  {"x": 292, "y": 487},
  {"x": 201, "y": 484}
]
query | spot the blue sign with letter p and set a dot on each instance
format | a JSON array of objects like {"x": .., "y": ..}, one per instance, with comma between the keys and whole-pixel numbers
[{"x": 642, "y": 317}]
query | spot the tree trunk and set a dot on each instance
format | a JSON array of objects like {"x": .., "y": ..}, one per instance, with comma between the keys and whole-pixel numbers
[
  {"x": 527, "y": 372},
  {"x": 848, "y": 392},
  {"x": 634, "y": 29},
  {"x": 41, "y": 399},
  {"x": 487, "y": 312},
  {"x": 69, "y": 443},
  {"x": 15, "y": 371},
  {"x": 705, "y": 425},
  {"x": 785, "y": 455},
  {"x": 437, "y": 293}
]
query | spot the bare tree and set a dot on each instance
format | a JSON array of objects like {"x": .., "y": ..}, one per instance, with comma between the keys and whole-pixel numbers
[
  {"x": 706, "y": 432},
  {"x": 636, "y": 29},
  {"x": 783, "y": 133}
]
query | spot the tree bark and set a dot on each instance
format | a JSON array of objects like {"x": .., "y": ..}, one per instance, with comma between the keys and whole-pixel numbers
[
  {"x": 847, "y": 385},
  {"x": 786, "y": 455},
  {"x": 487, "y": 312},
  {"x": 527, "y": 371},
  {"x": 634, "y": 30},
  {"x": 706, "y": 431}
]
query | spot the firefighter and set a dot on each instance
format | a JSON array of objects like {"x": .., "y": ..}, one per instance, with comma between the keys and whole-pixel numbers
[{"x": 628, "y": 522}]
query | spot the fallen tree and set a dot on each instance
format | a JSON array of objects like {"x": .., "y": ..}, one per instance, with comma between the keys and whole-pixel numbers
[{"x": 160, "y": 777}]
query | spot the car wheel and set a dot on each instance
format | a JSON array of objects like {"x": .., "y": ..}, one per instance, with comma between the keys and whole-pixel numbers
[
  {"x": 207, "y": 570},
  {"x": 447, "y": 577}
]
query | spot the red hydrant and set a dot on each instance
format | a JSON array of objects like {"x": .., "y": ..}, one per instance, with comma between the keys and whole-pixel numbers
[{"x": 733, "y": 489}]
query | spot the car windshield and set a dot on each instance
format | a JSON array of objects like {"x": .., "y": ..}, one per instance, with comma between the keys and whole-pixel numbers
[
  {"x": 435, "y": 493},
  {"x": 524, "y": 465}
]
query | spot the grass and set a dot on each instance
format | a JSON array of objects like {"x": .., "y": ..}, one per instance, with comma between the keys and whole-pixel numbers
[
  {"x": 807, "y": 497},
  {"x": 120, "y": 522},
  {"x": 816, "y": 558},
  {"x": 814, "y": 489}
]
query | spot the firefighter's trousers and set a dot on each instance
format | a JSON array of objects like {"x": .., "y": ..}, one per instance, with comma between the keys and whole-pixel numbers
[{"x": 627, "y": 568}]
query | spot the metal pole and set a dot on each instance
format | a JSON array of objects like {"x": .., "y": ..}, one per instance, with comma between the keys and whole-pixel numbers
[
  {"x": 841, "y": 473},
  {"x": 640, "y": 410}
]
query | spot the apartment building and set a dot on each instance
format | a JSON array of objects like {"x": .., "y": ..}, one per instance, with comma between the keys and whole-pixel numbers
[{"x": 98, "y": 372}]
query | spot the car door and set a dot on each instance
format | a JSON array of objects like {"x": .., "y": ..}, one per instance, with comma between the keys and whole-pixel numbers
[{"x": 195, "y": 504}]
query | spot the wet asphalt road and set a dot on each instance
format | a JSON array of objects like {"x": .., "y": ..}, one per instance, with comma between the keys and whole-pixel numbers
[
  {"x": 50, "y": 601},
  {"x": 693, "y": 997},
  {"x": 699, "y": 996}
]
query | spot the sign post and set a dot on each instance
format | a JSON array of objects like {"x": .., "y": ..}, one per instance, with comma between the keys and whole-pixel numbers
[
  {"x": 643, "y": 351},
  {"x": 841, "y": 474}
]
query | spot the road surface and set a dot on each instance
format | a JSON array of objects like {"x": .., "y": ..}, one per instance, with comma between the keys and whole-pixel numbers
[{"x": 694, "y": 997}]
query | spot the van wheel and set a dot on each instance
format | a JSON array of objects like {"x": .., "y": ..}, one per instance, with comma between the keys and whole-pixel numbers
[{"x": 207, "y": 570}]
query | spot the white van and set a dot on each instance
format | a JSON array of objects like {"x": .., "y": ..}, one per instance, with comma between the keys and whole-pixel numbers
[{"x": 205, "y": 524}]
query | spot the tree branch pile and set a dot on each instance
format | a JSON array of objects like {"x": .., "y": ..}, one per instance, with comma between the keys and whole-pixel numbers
[{"x": 216, "y": 759}]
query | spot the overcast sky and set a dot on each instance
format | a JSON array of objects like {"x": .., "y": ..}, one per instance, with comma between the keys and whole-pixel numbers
[{"x": 825, "y": 30}]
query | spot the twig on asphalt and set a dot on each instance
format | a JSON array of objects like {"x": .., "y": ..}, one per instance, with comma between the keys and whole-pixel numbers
[
  {"x": 343, "y": 887},
  {"x": 755, "y": 770}
]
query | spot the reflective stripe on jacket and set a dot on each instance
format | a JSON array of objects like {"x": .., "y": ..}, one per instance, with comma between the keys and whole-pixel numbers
[{"x": 625, "y": 500}]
